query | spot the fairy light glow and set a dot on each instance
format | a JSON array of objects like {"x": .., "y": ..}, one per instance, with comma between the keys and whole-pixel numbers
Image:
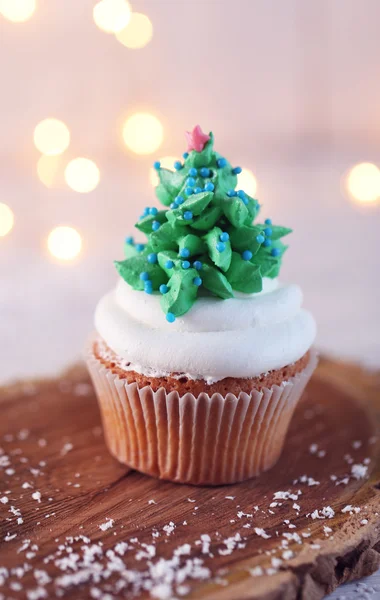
[
  {"x": 51, "y": 137},
  {"x": 143, "y": 133},
  {"x": 64, "y": 243},
  {"x": 17, "y": 11},
  {"x": 112, "y": 16},
  {"x": 82, "y": 175},
  {"x": 166, "y": 163},
  {"x": 363, "y": 183},
  {"x": 247, "y": 182},
  {"x": 6, "y": 219},
  {"x": 50, "y": 170},
  {"x": 137, "y": 33}
]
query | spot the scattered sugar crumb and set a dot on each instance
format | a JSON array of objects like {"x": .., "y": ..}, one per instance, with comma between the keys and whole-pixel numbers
[
  {"x": 261, "y": 533},
  {"x": 107, "y": 524},
  {"x": 37, "y": 496},
  {"x": 359, "y": 471}
]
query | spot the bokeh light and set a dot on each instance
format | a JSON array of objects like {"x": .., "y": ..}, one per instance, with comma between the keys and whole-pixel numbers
[
  {"x": 137, "y": 33},
  {"x": 51, "y": 137},
  {"x": 6, "y": 219},
  {"x": 167, "y": 163},
  {"x": 112, "y": 16},
  {"x": 247, "y": 182},
  {"x": 17, "y": 11},
  {"x": 64, "y": 243},
  {"x": 363, "y": 183},
  {"x": 82, "y": 175},
  {"x": 50, "y": 170},
  {"x": 143, "y": 133}
]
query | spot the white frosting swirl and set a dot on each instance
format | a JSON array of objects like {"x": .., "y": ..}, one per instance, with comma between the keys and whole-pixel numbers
[{"x": 243, "y": 336}]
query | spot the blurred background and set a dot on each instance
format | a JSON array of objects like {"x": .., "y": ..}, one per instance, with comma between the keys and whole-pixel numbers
[{"x": 91, "y": 93}]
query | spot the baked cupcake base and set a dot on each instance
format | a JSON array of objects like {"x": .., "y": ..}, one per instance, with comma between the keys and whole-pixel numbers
[{"x": 187, "y": 431}]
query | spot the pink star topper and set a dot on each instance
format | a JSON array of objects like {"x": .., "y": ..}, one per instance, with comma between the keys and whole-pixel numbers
[{"x": 196, "y": 139}]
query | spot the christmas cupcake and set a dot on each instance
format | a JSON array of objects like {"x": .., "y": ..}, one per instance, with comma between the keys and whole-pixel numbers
[{"x": 201, "y": 354}]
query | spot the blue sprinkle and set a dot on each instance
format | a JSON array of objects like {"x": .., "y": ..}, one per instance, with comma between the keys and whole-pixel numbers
[
  {"x": 153, "y": 210},
  {"x": 185, "y": 264},
  {"x": 152, "y": 258},
  {"x": 193, "y": 172},
  {"x": 231, "y": 193},
  {"x": 144, "y": 276},
  {"x": 268, "y": 221},
  {"x": 190, "y": 181},
  {"x": 224, "y": 237},
  {"x": 163, "y": 288},
  {"x": 209, "y": 187},
  {"x": 197, "y": 190},
  {"x": 197, "y": 265},
  {"x": 260, "y": 238},
  {"x": 173, "y": 205},
  {"x": 220, "y": 247},
  {"x": 129, "y": 240},
  {"x": 184, "y": 253},
  {"x": 169, "y": 264},
  {"x": 170, "y": 317},
  {"x": 140, "y": 247},
  {"x": 246, "y": 255},
  {"x": 188, "y": 215},
  {"x": 178, "y": 165},
  {"x": 146, "y": 212},
  {"x": 275, "y": 252},
  {"x": 157, "y": 165},
  {"x": 179, "y": 200},
  {"x": 197, "y": 281},
  {"x": 205, "y": 172},
  {"x": 156, "y": 225},
  {"x": 148, "y": 287},
  {"x": 267, "y": 243},
  {"x": 268, "y": 231},
  {"x": 185, "y": 155},
  {"x": 221, "y": 162},
  {"x": 245, "y": 201},
  {"x": 241, "y": 194},
  {"x": 236, "y": 170},
  {"x": 188, "y": 191}
]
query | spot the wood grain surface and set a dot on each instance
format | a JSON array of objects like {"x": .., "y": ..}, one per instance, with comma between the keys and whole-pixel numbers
[{"x": 76, "y": 524}]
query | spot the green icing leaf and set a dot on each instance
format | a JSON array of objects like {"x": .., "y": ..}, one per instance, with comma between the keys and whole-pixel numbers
[
  {"x": 207, "y": 219},
  {"x": 204, "y": 158},
  {"x": 278, "y": 231},
  {"x": 244, "y": 276},
  {"x": 214, "y": 281},
  {"x": 235, "y": 211},
  {"x": 145, "y": 224},
  {"x": 163, "y": 195},
  {"x": 221, "y": 259},
  {"x": 194, "y": 204},
  {"x": 129, "y": 250},
  {"x": 244, "y": 238},
  {"x": 253, "y": 209},
  {"x": 193, "y": 243},
  {"x": 165, "y": 237},
  {"x": 169, "y": 255},
  {"x": 266, "y": 262},
  {"x": 131, "y": 269},
  {"x": 182, "y": 292}
]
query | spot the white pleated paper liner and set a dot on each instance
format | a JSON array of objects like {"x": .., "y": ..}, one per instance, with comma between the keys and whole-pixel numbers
[{"x": 200, "y": 440}]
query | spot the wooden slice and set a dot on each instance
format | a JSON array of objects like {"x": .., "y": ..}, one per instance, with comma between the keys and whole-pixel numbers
[{"x": 76, "y": 524}]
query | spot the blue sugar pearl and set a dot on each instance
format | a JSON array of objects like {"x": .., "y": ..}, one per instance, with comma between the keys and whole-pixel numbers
[
  {"x": 144, "y": 276},
  {"x": 260, "y": 238},
  {"x": 268, "y": 231},
  {"x": 245, "y": 200},
  {"x": 236, "y": 170},
  {"x": 188, "y": 191},
  {"x": 184, "y": 253},
  {"x": 140, "y": 247},
  {"x": 179, "y": 200},
  {"x": 197, "y": 190},
  {"x": 205, "y": 172},
  {"x": 148, "y": 288},
  {"x": 170, "y": 317},
  {"x": 152, "y": 258},
  {"x": 276, "y": 252},
  {"x": 268, "y": 221},
  {"x": 156, "y": 225},
  {"x": 185, "y": 264},
  {"x": 190, "y": 181},
  {"x": 185, "y": 155},
  {"x": 224, "y": 237},
  {"x": 247, "y": 255},
  {"x": 146, "y": 212},
  {"x": 163, "y": 288},
  {"x": 231, "y": 193},
  {"x": 193, "y": 172},
  {"x": 197, "y": 265},
  {"x": 157, "y": 165},
  {"x": 129, "y": 240},
  {"x": 241, "y": 194},
  {"x": 178, "y": 165},
  {"x": 188, "y": 215},
  {"x": 220, "y": 247},
  {"x": 197, "y": 281},
  {"x": 173, "y": 205},
  {"x": 267, "y": 243},
  {"x": 209, "y": 187},
  {"x": 153, "y": 210},
  {"x": 221, "y": 162},
  {"x": 169, "y": 264}
]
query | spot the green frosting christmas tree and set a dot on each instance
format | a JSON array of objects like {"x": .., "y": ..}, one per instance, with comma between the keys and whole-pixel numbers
[{"x": 206, "y": 241}]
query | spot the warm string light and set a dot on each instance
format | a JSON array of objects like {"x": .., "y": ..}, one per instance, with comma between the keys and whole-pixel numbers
[
  {"x": 6, "y": 219},
  {"x": 112, "y": 16},
  {"x": 137, "y": 33},
  {"x": 50, "y": 170},
  {"x": 363, "y": 183},
  {"x": 51, "y": 137},
  {"x": 166, "y": 163},
  {"x": 247, "y": 182},
  {"x": 143, "y": 133},
  {"x": 17, "y": 11},
  {"x": 64, "y": 243},
  {"x": 82, "y": 175}
]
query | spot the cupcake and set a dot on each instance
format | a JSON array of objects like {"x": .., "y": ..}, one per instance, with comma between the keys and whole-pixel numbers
[{"x": 201, "y": 354}]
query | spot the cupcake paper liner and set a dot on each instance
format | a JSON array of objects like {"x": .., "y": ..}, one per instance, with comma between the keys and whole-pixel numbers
[{"x": 203, "y": 440}]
